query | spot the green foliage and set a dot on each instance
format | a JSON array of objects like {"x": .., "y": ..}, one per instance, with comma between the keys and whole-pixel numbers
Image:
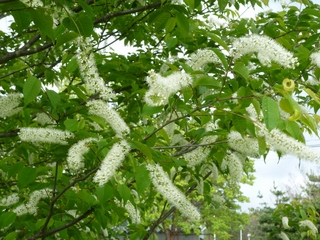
[{"x": 57, "y": 56}]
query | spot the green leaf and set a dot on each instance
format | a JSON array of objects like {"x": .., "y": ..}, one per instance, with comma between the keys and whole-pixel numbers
[
  {"x": 142, "y": 148},
  {"x": 11, "y": 236},
  {"x": 142, "y": 178},
  {"x": 270, "y": 112},
  {"x": 66, "y": 37},
  {"x": 222, "y": 4},
  {"x": 78, "y": 91},
  {"x": 210, "y": 82},
  {"x": 54, "y": 98},
  {"x": 312, "y": 94},
  {"x": 22, "y": 19},
  {"x": 170, "y": 25},
  {"x": 294, "y": 130},
  {"x": 26, "y": 176},
  {"x": 239, "y": 67},
  {"x": 6, "y": 219},
  {"x": 42, "y": 21},
  {"x": 240, "y": 123},
  {"x": 217, "y": 39},
  {"x": 161, "y": 20},
  {"x": 149, "y": 110},
  {"x": 14, "y": 169},
  {"x": 183, "y": 23},
  {"x": 86, "y": 8},
  {"x": 31, "y": 89},
  {"x": 222, "y": 57},
  {"x": 104, "y": 193},
  {"x": 71, "y": 125},
  {"x": 83, "y": 25},
  {"x": 125, "y": 193}
]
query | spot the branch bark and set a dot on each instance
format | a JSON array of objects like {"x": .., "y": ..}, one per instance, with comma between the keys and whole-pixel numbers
[{"x": 126, "y": 12}]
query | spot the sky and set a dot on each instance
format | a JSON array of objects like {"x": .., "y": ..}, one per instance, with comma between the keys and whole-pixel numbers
[{"x": 289, "y": 171}]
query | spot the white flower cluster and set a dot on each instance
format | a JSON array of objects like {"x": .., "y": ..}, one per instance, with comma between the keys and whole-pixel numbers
[
  {"x": 201, "y": 153},
  {"x": 245, "y": 145},
  {"x": 201, "y": 58},
  {"x": 210, "y": 167},
  {"x": 283, "y": 236},
  {"x": 267, "y": 50},
  {"x": 44, "y": 135},
  {"x": 31, "y": 206},
  {"x": 168, "y": 190},
  {"x": 233, "y": 162},
  {"x": 10, "y": 200},
  {"x": 315, "y": 58},
  {"x": 9, "y": 104},
  {"x": 133, "y": 212},
  {"x": 111, "y": 162},
  {"x": 44, "y": 119},
  {"x": 310, "y": 225},
  {"x": 89, "y": 70},
  {"x": 161, "y": 88},
  {"x": 112, "y": 117},
  {"x": 285, "y": 144},
  {"x": 285, "y": 222},
  {"x": 76, "y": 152}
]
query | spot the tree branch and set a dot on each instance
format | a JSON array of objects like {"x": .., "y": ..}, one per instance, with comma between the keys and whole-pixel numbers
[
  {"x": 126, "y": 12},
  {"x": 53, "y": 231},
  {"x": 13, "y": 133}
]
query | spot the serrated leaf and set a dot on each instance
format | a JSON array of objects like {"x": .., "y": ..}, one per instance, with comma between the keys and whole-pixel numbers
[
  {"x": 26, "y": 176},
  {"x": 71, "y": 125},
  {"x": 42, "y": 21},
  {"x": 222, "y": 4},
  {"x": 83, "y": 25},
  {"x": 270, "y": 112},
  {"x": 54, "y": 98},
  {"x": 125, "y": 193},
  {"x": 22, "y": 19},
  {"x": 142, "y": 178},
  {"x": 104, "y": 193},
  {"x": 217, "y": 39},
  {"x": 221, "y": 56},
  {"x": 210, "y": 82},
  {"x": 142, "y": 148},
  {"x": 31, "y": 89},
  {"x": 170, "y": 25},
  {"x": 161, "y": 20},
  {"x": 66, "y": 37},
  {"x": 239, "y": 67},
  {"x": 6, "y": 219},
  {"x": 182, "y": 23},
  {"x": 149, "y": 110},
  {"x": 240, "y": 123}
]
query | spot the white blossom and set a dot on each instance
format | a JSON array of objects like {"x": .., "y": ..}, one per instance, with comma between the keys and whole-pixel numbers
[
  {"x": 133, "y": 212},
  {"x": 315, "y": 58},
  {"x": 310, "y": 225},
  {"x": 283, "y": 236},
  {"x": 89, "y": 70},
  {"x": 168, "y": 190},
  {"x": 267, "y": 50},
  {"x": 44, "y": 135},
  {"x": 245, "y": 145},
  {"x": 31, "y": 206},
  {"x": 285, "y": 223},
  {"x": 232, "y": 161},
  {"x": 9, "y": 104},
  {"x": 161, "y": 88},
  {"x": 111, "y": 116},
  {"x": 44, "y": 119},
  {"x": 10, "y": 200},
  {"x": 76, "y": 152},
  {"x": 201, "y": 58},
  {"x": 201, "y": 153},
  {"x": 111, "y": 162},
  {"x": 285, "y": 144}
]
